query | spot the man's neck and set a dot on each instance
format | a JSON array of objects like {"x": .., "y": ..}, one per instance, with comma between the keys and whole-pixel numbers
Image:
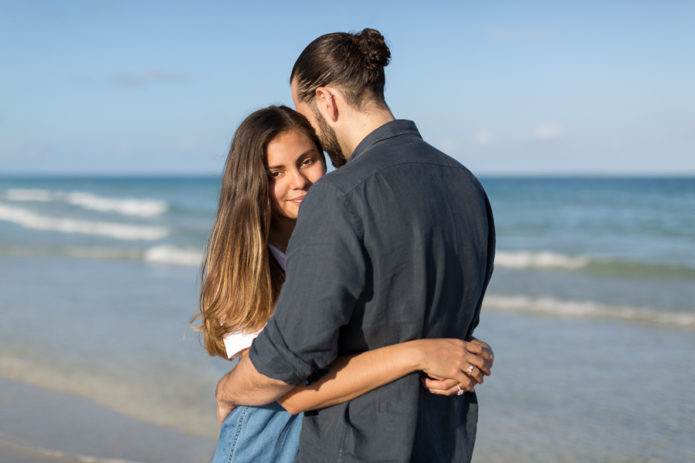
[{"x": 362, "y": 124}]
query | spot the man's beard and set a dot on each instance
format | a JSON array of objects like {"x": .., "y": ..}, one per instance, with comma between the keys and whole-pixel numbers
[{"x": 329, "y": 141}]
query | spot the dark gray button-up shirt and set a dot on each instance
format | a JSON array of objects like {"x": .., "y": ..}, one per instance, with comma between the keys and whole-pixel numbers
[{"x": 396, "y": 245}]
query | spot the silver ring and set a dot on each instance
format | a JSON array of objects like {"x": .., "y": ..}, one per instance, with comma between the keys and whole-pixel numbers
[
  {"x": 470, "y": 369},
  {"x": 460, "y": 391}
]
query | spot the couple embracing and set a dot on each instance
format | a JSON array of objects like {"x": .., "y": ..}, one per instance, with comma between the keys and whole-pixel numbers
[{"x": 351, "y": 319}]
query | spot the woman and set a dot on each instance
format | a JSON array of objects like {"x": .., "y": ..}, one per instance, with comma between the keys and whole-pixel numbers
[{"x": 274, "y": 159}]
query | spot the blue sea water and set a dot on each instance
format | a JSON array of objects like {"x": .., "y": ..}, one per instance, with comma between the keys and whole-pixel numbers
[{"x": 100, "y": 278}]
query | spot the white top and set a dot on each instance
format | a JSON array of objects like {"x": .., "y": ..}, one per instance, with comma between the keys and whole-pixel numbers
[{"x": 234, "y": 343}]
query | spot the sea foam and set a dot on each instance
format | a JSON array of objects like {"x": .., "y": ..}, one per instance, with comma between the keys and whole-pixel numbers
[
  {"x": 124, "y": 206},
  {"x": 167, "y": 254},
  {"x": 30, "y": 219},
  {"x": 26, "y": 194},
  {"x": 588, "y": 309},
  {"x": 599, "y": 265},
  {"x": 541, "y": 259},
  {"x": 140, "y": 207}
]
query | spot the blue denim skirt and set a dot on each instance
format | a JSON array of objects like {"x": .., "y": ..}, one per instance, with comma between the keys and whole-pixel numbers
[{"x": 259, "y": 434}]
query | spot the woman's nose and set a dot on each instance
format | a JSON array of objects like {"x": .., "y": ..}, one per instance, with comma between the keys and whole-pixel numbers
[{"x": 299, "y": 180}]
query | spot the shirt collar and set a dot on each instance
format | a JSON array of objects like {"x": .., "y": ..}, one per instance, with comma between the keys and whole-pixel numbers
[{"x": 389, "y": 130}]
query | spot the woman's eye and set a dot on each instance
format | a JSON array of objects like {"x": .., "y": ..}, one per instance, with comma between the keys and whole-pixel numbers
[
  {"x": 273, "y": 174},
  {"x": 307, "y": 162}
]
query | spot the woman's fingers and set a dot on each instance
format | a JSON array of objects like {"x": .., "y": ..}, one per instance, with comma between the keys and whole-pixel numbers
[
  {"x": 485, "y": 349},
  {"x": 447, "y": 357},
  {"x": 447, "y": 387},
  {"x": 475, "y": 373},
  {"x": 474, "y": 365},
  {"x": 457, "y": 366},
  {"x": 438, "y": 384},
  {"x": 484, "y": 352},
  {"x": 456, "y": 359}
]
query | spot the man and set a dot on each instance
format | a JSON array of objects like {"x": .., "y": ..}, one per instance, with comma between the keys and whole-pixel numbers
[{"x": 395, "y": 245}]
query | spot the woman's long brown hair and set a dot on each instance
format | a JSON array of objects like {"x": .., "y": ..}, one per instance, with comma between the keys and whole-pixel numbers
[{"x": 240, "y": 280}]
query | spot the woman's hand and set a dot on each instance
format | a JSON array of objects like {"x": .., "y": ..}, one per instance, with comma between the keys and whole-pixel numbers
[{"x": 453, "y": 365}]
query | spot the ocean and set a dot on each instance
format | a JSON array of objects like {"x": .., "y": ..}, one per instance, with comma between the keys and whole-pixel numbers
[{"x": 591, "y": 309}]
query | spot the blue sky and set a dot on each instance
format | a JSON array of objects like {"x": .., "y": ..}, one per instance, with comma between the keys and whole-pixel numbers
[{"x": 506, "y": 87}]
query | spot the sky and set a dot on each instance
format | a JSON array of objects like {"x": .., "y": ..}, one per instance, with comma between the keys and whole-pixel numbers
[{"x": 506, "y": 87}]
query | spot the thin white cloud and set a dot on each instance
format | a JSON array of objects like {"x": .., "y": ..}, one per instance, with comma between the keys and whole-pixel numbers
[
  {"x": 149, "y": 76},
  {"x": 548, "y": 132},
  {"x": 484, "y": 137}
]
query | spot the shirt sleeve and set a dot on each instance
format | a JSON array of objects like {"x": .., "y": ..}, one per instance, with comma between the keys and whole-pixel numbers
[{"x": 324, "y": 279}]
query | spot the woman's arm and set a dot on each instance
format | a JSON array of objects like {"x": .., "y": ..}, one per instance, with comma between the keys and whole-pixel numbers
[{"x": 352, "y": 376}]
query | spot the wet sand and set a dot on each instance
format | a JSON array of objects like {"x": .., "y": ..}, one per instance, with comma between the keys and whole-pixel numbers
[
  {"x": 562, "y": 390},
  {"x": 40, "y": 425}
]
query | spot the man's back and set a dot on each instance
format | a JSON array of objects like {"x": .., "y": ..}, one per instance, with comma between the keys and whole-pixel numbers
[{"x": 396, "y": 245}]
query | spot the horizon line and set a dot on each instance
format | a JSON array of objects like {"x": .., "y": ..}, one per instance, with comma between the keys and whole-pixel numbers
[{"x": 174, "y": 174}]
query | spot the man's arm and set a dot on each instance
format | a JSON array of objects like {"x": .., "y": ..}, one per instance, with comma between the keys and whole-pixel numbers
[
  {"x": 325, "y": 277},
  {"x": 326, "y": 271},
  {"x": 245, "y": 385}
]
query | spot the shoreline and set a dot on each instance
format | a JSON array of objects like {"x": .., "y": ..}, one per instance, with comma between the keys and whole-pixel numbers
[
  {"x": 41, "y": 425},
  {"x": 563, "y": 390}
]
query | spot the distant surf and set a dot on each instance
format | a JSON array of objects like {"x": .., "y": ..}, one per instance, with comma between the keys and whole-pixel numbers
[
  {"x": 542, "y": 259},
  {"x": 30, "y": 219},
  {"x": 139, "y": 207},
  {"x": 163, "y": 254},
  {"x": 588, "y": 309},
  {"x": 168, "y": 254},
  {"x": 521, "y": 260}
]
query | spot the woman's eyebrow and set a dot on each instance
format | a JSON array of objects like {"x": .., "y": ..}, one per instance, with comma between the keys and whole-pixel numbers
[{"x": 309, "y": 152}]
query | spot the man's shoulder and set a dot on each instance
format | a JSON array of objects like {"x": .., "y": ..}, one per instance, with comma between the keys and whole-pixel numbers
[
  {"x": 341, "y": 181},
  {"x": 399, "y": 157}
]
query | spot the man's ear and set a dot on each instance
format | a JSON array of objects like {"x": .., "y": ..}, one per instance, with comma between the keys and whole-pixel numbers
[{"x": 327, "y": 104}]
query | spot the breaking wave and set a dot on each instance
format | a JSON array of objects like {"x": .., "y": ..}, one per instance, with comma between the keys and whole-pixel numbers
[
  {"x": 30, "y": 195},
  {"x": 31, "y": 219},
  {"x": 542, "y": 259},
  {"x": 604, "y": 265},
  {"x": 161, "y": 254},
  {"x": 124, "y": 206},
  {"x": 139, "y": 207},
  {"x": 588, "y": 309},
  {"x": 167, "y": 254}
]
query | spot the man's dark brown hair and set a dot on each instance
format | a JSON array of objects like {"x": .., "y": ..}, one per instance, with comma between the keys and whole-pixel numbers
[{"x": 353, "y": 62}]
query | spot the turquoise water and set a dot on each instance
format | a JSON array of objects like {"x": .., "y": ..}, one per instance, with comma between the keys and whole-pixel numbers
[
  {"x": 100, "y": 278},
  {"x": 613, "y": 247},
  {"x": 596, "y": 247}
]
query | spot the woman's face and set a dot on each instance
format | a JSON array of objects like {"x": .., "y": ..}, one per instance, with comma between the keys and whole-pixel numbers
[{"x": 294, "y": 164}]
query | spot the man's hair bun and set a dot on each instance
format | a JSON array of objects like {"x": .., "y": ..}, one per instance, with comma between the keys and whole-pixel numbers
[{"x": 373, "y": 47}]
